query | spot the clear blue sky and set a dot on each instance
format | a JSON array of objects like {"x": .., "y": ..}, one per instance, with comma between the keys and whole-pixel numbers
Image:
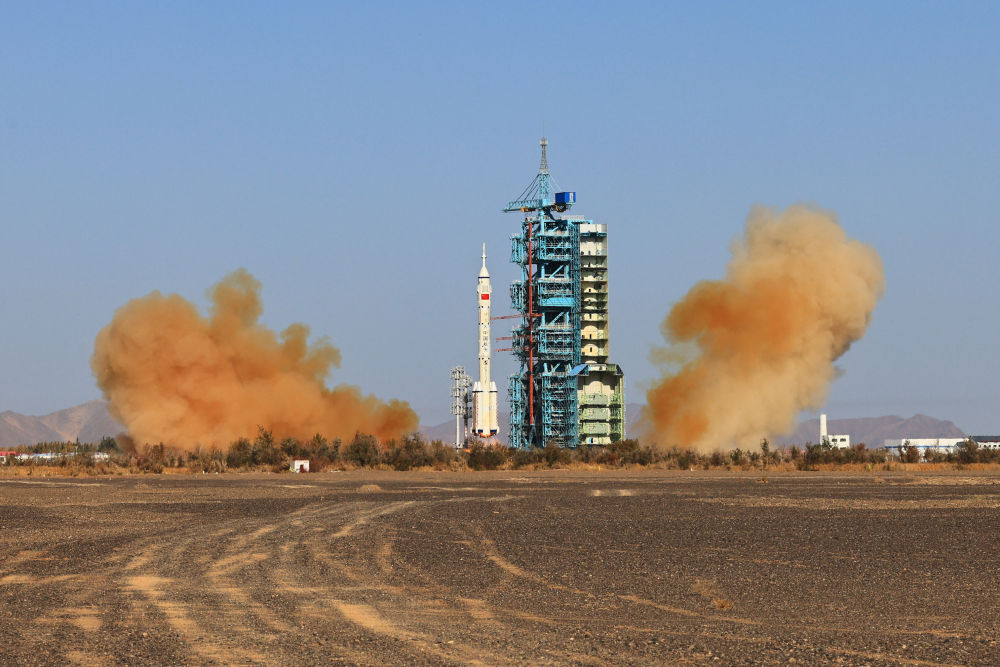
[{"x": 354, "y": 156}]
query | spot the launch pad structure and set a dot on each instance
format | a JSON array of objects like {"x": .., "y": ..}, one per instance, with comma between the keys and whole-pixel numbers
[
  {"x": 565, "y": 392},
  {"x": 461, "y": 405}
]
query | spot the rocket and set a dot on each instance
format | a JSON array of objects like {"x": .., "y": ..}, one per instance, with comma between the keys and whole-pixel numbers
[{"x": 484, "y": 391}]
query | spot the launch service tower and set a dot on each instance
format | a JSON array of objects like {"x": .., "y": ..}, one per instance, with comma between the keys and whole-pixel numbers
[{"x": 566, "y": 391}]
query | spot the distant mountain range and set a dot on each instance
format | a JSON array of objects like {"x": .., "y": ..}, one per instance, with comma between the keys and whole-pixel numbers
[
  {"x": 91, "y": 421},
  {"x": 873, "y": 431},
  {"x": 88, "y": 422}
]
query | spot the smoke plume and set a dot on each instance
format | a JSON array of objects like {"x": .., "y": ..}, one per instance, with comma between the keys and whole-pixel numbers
[
  {"x": 758, "y": 346},
  {"x": 175, "y": 376}
]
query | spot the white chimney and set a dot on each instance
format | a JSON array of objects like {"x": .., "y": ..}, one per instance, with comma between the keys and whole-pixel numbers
[{"x": 822, "y": 428}]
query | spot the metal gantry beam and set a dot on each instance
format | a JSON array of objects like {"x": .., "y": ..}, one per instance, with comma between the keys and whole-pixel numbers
[{"x": 461, "y": 402}]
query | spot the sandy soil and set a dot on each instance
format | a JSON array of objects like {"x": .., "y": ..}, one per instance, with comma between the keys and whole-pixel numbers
[{"x": 501, "y": 568}]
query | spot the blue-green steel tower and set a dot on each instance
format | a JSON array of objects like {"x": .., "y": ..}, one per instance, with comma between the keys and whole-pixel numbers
[{"x": 543, "y": 393}]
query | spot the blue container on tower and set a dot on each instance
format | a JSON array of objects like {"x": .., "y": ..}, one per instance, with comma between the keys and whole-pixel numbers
[{"x": 565, "y": 198}]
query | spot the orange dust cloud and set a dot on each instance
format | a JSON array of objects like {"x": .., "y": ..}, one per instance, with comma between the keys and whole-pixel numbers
[
  {"x": 175, "y": 376},
  {"x": 760, "y": 343}
]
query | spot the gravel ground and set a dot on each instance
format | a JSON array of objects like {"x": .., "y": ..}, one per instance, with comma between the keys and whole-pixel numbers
[{"x": 501, "y": 568}]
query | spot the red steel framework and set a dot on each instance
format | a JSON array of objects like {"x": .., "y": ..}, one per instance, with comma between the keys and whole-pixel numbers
[{"x": 531, "y": 333}]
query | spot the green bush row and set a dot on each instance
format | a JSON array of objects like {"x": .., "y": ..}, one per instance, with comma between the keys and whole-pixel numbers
[{"x": 265, "y": 452}]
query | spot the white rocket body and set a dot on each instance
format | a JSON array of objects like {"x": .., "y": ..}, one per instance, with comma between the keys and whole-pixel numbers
[{"x": 484, "y": 391}]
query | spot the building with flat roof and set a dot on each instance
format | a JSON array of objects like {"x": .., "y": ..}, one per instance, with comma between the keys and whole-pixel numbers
[
  {"x": 944, "y": 445},
  {"x": 842, "y": 441}
]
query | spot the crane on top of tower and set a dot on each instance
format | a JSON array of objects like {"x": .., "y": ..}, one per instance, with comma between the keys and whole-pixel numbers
[{"x": 538, "y": 194}]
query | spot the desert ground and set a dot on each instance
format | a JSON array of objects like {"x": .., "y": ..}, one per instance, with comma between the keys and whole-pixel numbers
[{"x": 501, "y": 568}]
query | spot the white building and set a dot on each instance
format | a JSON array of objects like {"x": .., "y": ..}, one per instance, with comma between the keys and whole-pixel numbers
[
  {"x": 943, "y": 445},
  {"x": 987, "y": 441},
  {"x": 842, "y": 441},
  {"x": 48, "y": 457}
]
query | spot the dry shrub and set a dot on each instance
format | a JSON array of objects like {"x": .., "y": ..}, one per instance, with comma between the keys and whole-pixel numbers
[
  {"x": 408, "y": 453},
  {"x": 479, "y": 457},
  {"x": 363, "y": 450}
]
